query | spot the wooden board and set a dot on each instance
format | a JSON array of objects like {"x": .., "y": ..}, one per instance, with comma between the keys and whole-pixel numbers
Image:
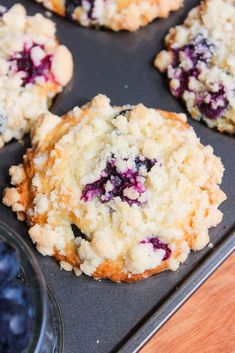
[{"x": 206, "y": 323}]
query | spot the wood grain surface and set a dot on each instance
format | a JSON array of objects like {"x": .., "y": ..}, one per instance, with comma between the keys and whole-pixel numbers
[{"x": 206, "y": 322}]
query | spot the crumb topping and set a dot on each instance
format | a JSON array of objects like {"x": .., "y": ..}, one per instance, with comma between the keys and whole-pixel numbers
[
  {"x": 105, "y": 191},
  {"x": 31, "y": 70},
  {"x": 199, "y": 63},
  {"x": 128, "y": 185},
  {"x": 115, "y": 14}
]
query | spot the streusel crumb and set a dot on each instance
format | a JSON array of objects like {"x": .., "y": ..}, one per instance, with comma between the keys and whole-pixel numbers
[
  {"x": 199, "y": 62},
  {"x": 117, "y": 192},
  {"x": 34, "y": 67},
  {"x": 117, "y": 15}
]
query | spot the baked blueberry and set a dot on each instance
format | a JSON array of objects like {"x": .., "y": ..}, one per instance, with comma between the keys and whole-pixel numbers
[
  {"x": 158, "y": 245},
  {"x": 24, "y": 62}
]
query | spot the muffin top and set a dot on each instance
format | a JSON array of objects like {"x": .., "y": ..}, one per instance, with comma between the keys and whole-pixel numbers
[
  {"x": 136, "y": 182},
  {"x": 34, "y": 67},
  {"x": 117, "y": 15},
  {"x": 199, "y": 62}
]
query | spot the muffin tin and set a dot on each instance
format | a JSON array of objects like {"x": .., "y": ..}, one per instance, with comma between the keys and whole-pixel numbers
[{"x": 104, "y": 317}]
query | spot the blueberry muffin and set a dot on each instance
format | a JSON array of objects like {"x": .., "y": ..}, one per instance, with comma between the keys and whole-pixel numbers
[
  {"x": 34, "y": 67},
  {"x": 199, "y": 61},
  {"x": 136, "y": 182},
  {"x": 114, "y": 14}
]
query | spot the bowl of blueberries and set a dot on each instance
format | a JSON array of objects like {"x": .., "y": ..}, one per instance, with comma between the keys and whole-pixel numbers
[{"x": 30, "y": 320}]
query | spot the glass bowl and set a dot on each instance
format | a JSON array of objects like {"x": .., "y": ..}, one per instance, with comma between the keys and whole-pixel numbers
[{"x": 47, "y": 334}]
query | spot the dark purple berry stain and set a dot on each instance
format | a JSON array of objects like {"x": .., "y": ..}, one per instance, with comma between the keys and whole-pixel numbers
[
  {"x": 90, "y": 13},
  {"x": 70, "y": 6},
  {"x": 118, "y": 182},
  {"x": 183, "y": 77},
  {"x": 157, "y": 245},
  {"x": 212, "y": 104},
  {"x": 3, "y": 10},
  {"x": 199, "y": 52},
  {"x": 23, "y": 62},
  {"x": 123, "y": 112},
  {"x": 77, "y": 232},
  {"x": 145, "y": 163},
  {"x": 3, "y": 122}
]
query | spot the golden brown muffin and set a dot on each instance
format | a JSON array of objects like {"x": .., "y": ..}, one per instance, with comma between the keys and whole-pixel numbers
[
  {"x": 34, "y": 68},
  {"x": 199, "y": 63},
  {"x": 137, "y": 182},
  {"x": 114, "y": 14}
]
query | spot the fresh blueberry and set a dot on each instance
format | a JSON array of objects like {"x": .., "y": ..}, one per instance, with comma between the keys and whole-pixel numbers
[
  {"x": 15, "y": 292},
  {"x": 15, "y": 327},
  {"x": 16, "y": 305},
  {"x": 9, "y": 265}
]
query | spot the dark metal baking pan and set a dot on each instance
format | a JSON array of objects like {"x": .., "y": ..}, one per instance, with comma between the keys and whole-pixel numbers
[{"x": 104, "y": 317}]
